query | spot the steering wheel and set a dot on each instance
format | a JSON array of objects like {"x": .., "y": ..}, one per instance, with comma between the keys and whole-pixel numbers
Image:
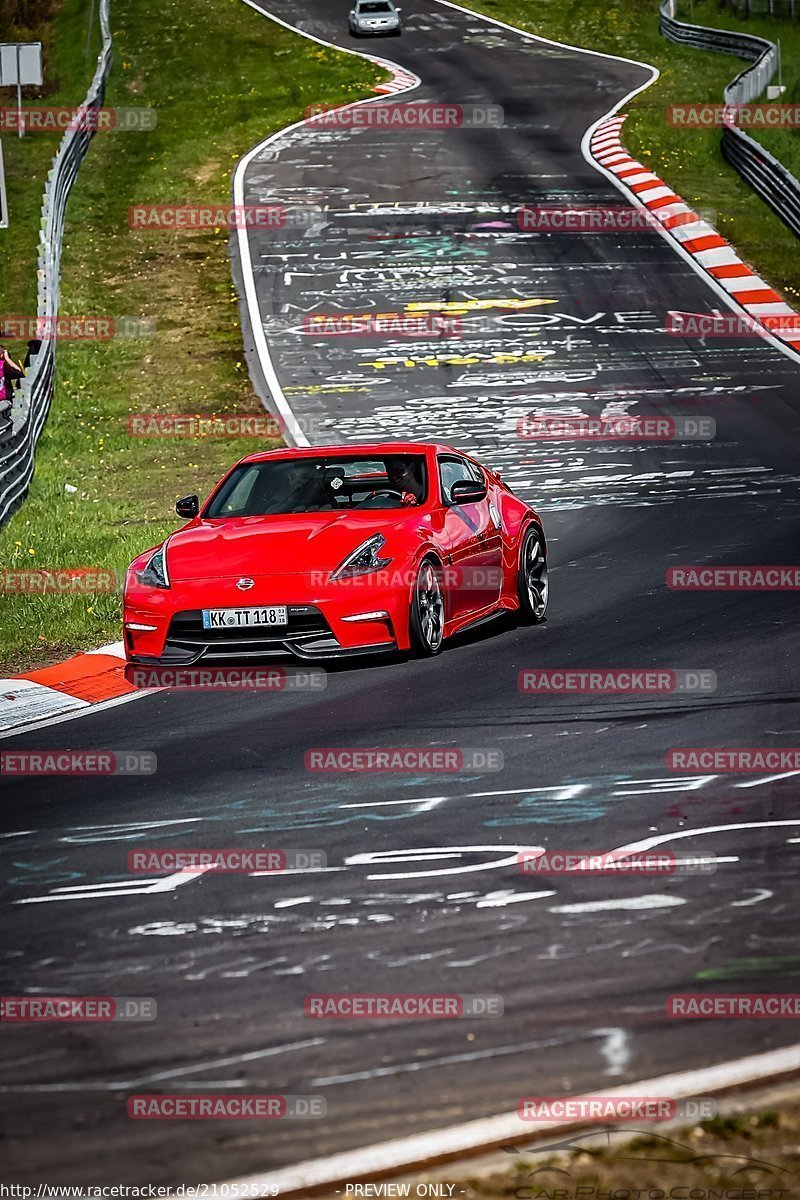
[{"x": 393, "y": 493}]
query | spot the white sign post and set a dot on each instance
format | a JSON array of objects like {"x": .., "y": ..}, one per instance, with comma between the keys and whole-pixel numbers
[{"x": 21, "y": 66}]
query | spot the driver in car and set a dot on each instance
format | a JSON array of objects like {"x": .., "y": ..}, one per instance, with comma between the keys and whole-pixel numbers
[{"x": 402, "y": 475}]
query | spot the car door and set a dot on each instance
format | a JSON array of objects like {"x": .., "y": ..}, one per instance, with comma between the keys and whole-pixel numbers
[
  {"x": 492, "y": 541},
  {"x": 471, "y": 542}
]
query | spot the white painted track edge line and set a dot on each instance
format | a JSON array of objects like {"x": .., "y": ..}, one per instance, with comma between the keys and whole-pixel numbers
[
  {"x": 403, "y": 1155},
  {"x": 293, "y": 430}
]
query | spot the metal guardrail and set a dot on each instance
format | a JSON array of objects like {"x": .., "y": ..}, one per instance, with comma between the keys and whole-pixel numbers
[
  {"x": 19, "y": 435},
  {"x": 776, "y": 185}
]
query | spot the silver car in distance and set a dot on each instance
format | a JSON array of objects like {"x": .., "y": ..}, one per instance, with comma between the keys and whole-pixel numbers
[{"x": 374, "y": 17}]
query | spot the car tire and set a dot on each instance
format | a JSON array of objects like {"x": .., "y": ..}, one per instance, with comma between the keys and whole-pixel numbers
[
  {"x": 426, "y": 621},
  {"x": 532, "y": 582}
]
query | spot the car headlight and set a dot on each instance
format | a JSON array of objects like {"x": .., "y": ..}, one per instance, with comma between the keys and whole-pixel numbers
[
  {"x": 155, "y": 573},
  {"x": 364, "y": 559}
]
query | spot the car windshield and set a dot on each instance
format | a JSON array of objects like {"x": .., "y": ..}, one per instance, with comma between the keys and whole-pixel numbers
[
  {"x": 374, "y": 6},
  {"x": 302, "y": 485}
]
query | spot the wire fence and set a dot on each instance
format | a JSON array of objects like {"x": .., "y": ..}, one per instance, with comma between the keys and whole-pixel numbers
[{"x": 20, "y": 430}]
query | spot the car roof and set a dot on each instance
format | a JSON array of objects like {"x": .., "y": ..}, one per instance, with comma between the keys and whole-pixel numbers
[{"x": 350, "y": 449}]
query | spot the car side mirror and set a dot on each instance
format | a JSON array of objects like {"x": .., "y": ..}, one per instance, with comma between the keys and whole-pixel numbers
[
  {"x": 467, "y": 491},
  {"x": 188, "y": 507}
]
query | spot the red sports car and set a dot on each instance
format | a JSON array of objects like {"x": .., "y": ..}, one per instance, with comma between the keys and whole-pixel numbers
[{"x": 335, "y": 551}]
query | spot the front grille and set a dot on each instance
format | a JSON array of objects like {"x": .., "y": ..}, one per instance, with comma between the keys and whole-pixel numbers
[{"x": 187, "y": 635}]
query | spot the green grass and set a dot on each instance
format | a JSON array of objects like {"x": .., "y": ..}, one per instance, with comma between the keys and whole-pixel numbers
[
  {"x": 689, "y": 160},
  {"x": 221, "y": 77}
]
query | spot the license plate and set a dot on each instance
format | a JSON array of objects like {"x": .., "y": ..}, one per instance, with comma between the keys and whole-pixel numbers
[{"x": 232, "y": 618}]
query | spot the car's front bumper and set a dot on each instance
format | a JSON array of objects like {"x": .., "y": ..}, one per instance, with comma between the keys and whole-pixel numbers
[
  {"x": 343, "y": 619},
  {"x": 308, "y": 636},
  {"x": 376, "y": 30}
]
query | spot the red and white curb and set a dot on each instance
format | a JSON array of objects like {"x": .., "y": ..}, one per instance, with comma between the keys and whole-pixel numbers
[
  {"x": 66, "y": 689},
  {"x": 407, "y": 1154},
  {"x": 401, "y": 81},
  {"x": 708, "y": 249}
]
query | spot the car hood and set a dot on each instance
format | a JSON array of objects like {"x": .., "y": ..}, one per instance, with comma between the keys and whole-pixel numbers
[{"x": 276, "y": 545}]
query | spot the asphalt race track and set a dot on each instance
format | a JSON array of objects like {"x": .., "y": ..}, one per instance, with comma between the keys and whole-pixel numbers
[{"x": 420, "y": 892}]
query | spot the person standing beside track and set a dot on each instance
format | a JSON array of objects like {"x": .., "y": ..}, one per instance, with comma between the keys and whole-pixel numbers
[{"x": 12, "y": 373}]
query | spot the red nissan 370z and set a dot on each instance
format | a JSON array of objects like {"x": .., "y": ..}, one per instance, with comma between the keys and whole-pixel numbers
[{"x": 334, "y": 551}]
